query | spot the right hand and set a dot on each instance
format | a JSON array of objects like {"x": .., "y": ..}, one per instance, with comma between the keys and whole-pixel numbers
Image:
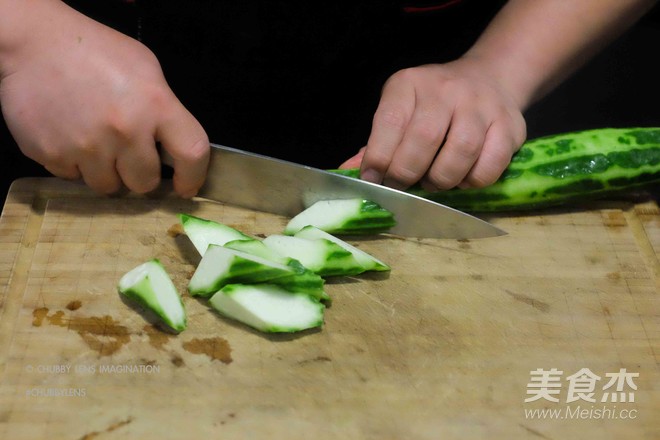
[{"x": 88, "y": 102}]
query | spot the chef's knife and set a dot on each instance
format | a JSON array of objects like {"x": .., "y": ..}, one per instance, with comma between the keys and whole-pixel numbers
[{"x": 267, "y": 184}]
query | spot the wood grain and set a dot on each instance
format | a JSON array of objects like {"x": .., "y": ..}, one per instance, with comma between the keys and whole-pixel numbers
[{"x": 443, "y": 347}]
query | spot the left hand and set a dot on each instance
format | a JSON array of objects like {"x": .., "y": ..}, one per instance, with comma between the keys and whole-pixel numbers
[{"x": 445, "y": 125}]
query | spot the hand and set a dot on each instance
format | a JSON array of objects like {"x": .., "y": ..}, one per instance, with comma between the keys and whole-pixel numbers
[
  {"x": 447, "y": 125},
  {"x": 88, "y": 102}
]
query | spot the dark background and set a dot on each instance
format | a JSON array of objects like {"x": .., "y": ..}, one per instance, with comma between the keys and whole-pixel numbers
[{"x": 300, "y": 80}]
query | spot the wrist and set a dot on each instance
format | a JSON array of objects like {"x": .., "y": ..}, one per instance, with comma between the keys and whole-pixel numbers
[
  {"x": 505, "y": 75},
  {"x": 26, "y": 27},
  {"x": 499, "y": 76}
]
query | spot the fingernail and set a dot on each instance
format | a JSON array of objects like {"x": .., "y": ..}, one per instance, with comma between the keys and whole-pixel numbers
[{"x": 371, "y": 175}]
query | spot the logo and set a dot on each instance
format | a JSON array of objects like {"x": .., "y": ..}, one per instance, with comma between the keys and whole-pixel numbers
[{"x": 582, "y": 386}]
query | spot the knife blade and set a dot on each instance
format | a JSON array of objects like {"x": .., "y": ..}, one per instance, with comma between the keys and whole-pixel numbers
[{"x": 267, "y": 184}]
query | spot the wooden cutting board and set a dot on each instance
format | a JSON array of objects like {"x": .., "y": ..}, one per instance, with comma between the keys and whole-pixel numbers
[{"x": 447, "y": 346}]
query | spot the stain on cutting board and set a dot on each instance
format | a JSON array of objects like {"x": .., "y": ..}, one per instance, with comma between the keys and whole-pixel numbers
[
  {"x": 537, "y": 304},
  {"x": 74, "y": 305},
  {"x": 175, "y": 230},
  {"x": 157, "y": 338},
  {"x": 614, "y": 219},
  {"x": 111, "y": 428},
  {"x": 106, "y": 336},
  {"x": 101, "y": 333},
  {"x": 216, "y": 348}
]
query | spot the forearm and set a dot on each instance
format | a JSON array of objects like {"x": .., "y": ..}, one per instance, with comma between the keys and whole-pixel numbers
[{"x": 531, "y": 46}]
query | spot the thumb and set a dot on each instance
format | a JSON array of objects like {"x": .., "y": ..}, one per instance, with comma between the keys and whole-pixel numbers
[{"x": 187, "y": 144}]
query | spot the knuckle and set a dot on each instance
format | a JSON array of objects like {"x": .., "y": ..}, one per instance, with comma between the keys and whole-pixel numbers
[
  {"x": 514, "y": 125},
  {"x": 403, "y": 75},
  {"x": 521, "y": 134},
  {"x": 109, "y": 185},
  {"x": 499, "y": 158},
  {"x": 403, "y": 175},
  {"x": 443, "y": 175},
  {"x": 147, "y": 55},
  {"x": 198, "y": 150},
  {"x": 120, "y": 125},
  {"x": 111, "y": 189},
  {"x": 144, "y": 61},
  {"x": 105, "y": 186},
  {"x": 48, "y": 155},
  {"x": 194, "y": 152},
  {"x": 375, "y": 160},
  {"x": 441, "y": 181},
  {"x": 483, "y": 178},
  {"x": 88, "y": 149},
  {"x": 158, "y": 96},
  {"x": 63, "y": 172},
  {"x": 516, "y": 128},
  {"x": 393, "y": 117},
  {"x": 144, "y": 186},
  {"x": 467, "y": 145},
  {"x": 487, "y": 172},
  {"x": 427, "y": 132}
]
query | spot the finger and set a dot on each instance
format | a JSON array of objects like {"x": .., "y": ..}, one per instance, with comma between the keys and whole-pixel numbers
[
  {"x": 99, "y": 170},
  {"x": 68, "y": 172},
  {"x": 421, "y": 141},
  {"x": 139, "y": 166},
  {"x": 353, "y": 162},
  {"x": 182, "y": 136},
  {"x": 495, "y": 156},
  {"x": 51, "y": 158},
  {"x": 459, "y": 152},
  {"x": 391, "y": 118}
]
